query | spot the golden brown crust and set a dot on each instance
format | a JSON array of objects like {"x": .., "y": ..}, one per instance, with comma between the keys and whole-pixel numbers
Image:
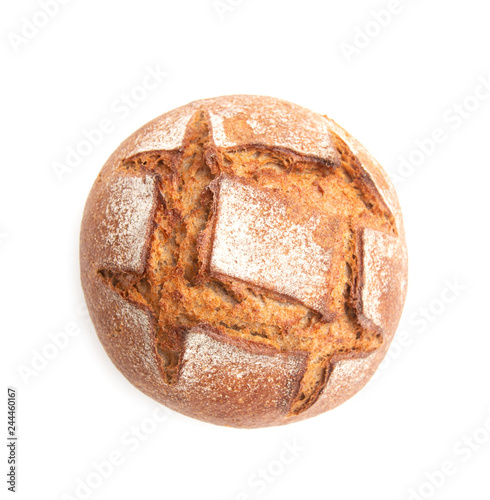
[{"x": 223, "y": 376}]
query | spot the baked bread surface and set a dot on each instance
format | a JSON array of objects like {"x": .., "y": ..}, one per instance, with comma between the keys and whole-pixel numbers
[{"x": 243, "y": 261}]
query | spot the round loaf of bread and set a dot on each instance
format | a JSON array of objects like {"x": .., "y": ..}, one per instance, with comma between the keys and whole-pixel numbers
[{"x": 243, "y": 261}]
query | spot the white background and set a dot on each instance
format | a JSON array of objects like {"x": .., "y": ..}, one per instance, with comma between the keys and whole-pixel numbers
[{"x": 75, "y": 409}]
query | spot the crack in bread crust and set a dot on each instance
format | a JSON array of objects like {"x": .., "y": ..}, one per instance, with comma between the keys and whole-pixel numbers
[{"x": 181, "y": 297}]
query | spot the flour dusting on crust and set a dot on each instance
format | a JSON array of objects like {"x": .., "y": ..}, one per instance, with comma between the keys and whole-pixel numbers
[
  {"x": 348, "y": 375},
  {"x": 128, "y": 214},
  {"x": 129, "y": 336},
  {"x": 166, "y": 135},
  {"x": 215, "y": 371},
  {"x": 383, "y": 280},
  {"x": 263, "y": 240},
  {"x": 244, "y": 120}
]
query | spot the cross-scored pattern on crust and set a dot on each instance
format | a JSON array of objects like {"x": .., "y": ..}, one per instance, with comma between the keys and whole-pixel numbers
[{"x": 304, "y": 285}]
